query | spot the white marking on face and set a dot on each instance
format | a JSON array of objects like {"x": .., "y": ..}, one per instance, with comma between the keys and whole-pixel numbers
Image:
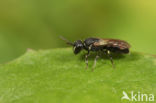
[{"x": 74, "y": 48}]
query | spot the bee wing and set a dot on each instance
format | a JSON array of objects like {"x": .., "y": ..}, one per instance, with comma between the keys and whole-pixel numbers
[
  {"x": 101, "y": 42},
  {"x": 118, "y": 43},
  {"x": 112, "y": 43}
]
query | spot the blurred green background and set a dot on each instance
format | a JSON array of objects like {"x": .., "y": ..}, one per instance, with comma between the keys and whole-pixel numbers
[{"x": 37, "y": 24}]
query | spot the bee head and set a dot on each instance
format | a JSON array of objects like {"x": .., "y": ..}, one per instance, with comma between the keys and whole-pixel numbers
[{"x": 78, "y": 46}]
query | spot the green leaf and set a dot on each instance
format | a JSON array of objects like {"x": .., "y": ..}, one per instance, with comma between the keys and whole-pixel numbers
[{"x": 58, "y": 76}]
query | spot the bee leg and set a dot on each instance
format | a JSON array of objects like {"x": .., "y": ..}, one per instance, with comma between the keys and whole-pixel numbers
[
  {"x": 97, "y": 56},
  {"x": 86, "y": 59},
  {"x": 110, "y": 57}
]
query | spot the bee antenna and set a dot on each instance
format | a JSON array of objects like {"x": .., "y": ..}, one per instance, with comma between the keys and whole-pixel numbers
[{"x": 67, "y": 41}]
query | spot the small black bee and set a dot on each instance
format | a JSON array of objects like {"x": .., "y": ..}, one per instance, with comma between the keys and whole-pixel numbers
[{"x": 99, "y": 45}]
